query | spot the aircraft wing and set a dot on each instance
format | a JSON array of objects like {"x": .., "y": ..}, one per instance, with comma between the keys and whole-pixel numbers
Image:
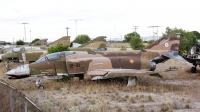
[
  {"x": 113, "y": 73},
  {"x": 171, "y": 55}
]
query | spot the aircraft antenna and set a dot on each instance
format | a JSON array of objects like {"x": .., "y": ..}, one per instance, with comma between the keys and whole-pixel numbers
[{"x": 24, "y": 39}]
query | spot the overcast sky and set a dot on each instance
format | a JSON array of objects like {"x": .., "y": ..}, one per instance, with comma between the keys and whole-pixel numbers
[{"x": 111, "y": 18}]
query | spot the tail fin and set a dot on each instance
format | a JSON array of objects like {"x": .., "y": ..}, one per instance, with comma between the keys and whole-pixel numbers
[
  {"x": 164, "y": 45},
  {"x": 168, "y": 48}
]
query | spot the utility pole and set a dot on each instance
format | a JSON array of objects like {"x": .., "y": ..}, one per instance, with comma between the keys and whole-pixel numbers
[
  {"x": 30, "y": 36},
  {"x": 135, "y": 27},
  {"x": 24, "y": 31},
  {"x": 67, "y": 30},
  {"x": 154, "y": 32},
  {"x": 76, "y": 20}
]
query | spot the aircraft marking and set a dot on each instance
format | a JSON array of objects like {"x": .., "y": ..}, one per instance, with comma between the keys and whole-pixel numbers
[
  {"x": 166, "y": 44},
  {"x": 74, "y": 65},
  {"x": 97, "y": 63},
  {"x": 131, "y": 61}
]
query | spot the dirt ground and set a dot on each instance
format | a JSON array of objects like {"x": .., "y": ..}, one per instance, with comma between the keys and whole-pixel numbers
[{"x": 178, "y": 91}]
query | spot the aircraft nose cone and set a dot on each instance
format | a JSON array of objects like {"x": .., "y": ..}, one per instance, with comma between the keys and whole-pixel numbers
[
  {"x": 0, "y": 57},
  {"x": 23, "y": 70}
]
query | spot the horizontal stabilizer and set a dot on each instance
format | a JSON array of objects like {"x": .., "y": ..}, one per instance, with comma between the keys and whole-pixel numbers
[{"x": 171, "y": 55}]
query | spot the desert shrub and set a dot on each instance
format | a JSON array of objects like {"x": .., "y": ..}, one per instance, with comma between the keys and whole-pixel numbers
[
  {"x": 123, "y": 48},
  {"x": 58, "y": 48}
]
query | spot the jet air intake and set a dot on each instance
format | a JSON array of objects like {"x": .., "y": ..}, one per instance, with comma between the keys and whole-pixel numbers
[{"x": 152, "y": 66}]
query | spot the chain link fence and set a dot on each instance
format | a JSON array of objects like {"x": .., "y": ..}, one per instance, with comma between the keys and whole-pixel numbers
[{"x": 12, "y": 100}]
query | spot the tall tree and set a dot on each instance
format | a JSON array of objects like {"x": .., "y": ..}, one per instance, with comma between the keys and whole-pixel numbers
[
  {"x": 197, "y": 34},
  {"x": 130, "y": 35},
  {"x": 134, "y": 40},
  {"x": 187, "y": 39},
  {"x": 81, "y": 39}
]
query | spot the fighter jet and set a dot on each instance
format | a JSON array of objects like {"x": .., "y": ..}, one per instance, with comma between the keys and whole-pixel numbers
[
  {"x": 193, "y": 57},
  {"x": 22, "y": 54},
  {"x": 98, "y": 65}
]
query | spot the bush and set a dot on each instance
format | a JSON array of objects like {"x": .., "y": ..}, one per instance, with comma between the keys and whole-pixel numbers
[
  {"x": 20, "y": 42},
  {"x": 58, "y": 48},
  {"x": 35, "y": 40},
  {"x": 81, "y": 39},
  {"x": 136, "y": 43},
  {"x": 123, "y": 48},
  {"x": 150, "y": 41}
]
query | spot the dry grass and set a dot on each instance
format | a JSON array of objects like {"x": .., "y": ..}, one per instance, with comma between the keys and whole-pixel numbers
[{"x": 178, "y": 91}]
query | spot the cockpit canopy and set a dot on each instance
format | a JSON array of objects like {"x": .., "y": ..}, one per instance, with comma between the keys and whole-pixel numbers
[
  {"x": 19, "y": 49},
  {"x": 54, "y": 56}
]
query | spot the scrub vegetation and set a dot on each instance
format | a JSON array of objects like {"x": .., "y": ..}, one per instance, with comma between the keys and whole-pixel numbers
[
  {"x": 179, "y": 91},
  {"x": 58, "y": 48}
]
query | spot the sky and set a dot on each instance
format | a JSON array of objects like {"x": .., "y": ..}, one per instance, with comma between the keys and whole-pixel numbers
[{"x": 111, "y": 18}]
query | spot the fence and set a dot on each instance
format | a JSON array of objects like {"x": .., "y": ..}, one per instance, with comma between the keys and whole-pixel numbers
[{"x": 11, "y": 100}]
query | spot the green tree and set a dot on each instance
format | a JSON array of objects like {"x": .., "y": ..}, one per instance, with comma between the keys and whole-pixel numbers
[
  {"x": 35, "y": 40},
  {"x": 130, "y": 35},
  {"x": 82, "y": 39},
  {"x": 197, "y": 34},
  {"x": 150, "y": 41},
  {"x": 134, "y": 40},
  {"x": 20, "y": 42},
  {"x": 187, "y": 39},
  {"x": 58, "y": 48},
  {"x": 136, "y": 43}
]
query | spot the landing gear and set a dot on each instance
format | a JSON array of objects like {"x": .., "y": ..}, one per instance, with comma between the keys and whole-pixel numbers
[
  {"x": 8, "y": 66},
  {"x": 193, "y": 69},
  {"x": 132, "y": 81},
  {"x": 81, "y": 77},
  {"x": 38, "y": 83}
]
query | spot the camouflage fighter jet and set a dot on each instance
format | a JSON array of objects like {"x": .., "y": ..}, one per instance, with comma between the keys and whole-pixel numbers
[
  {"x": 98, "y": 65},
  {"x": 22, "y": 54},
  {"x": 192, "y": 57}
]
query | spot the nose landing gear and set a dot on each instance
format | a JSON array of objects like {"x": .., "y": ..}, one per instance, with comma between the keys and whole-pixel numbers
[{"x": 38, "y": 83}]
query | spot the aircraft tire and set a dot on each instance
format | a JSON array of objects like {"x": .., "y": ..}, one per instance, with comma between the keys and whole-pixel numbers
[
  {"x": 81, "y": 77},
  {"x": 41, "y": 87},
  {"x": 193, "y": 70}
]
